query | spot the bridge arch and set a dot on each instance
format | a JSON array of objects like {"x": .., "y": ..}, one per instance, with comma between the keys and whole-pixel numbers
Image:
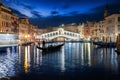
[{"x": 60, "y": 33}]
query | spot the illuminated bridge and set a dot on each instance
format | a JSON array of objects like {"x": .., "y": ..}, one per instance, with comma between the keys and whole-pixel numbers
[{"x": 61, "y": 35}]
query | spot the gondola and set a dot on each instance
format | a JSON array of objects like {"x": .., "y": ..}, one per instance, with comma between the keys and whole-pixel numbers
[
  {"x": 51, "y": 47},
  {"x": 105, "y": 44}
]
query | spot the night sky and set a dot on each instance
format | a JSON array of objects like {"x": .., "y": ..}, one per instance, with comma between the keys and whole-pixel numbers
[{"x": 49, "y": 13}]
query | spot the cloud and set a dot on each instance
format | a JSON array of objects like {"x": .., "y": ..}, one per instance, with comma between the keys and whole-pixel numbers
[
  {"x": 19, "y": 14},
  {"x": 55, "y": 21},
  {"x": 36, "y": 14},
  {"x": 74, "y": 13},
  {"x": 66, "y": 6},
  {"x": 54, "y": 12},
  {"x": 65, "y": 12},
  {"x": 27, "y": 6}
]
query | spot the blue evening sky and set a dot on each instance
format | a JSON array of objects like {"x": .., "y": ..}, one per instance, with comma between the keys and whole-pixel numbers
[{"x": 45, "y": 13}]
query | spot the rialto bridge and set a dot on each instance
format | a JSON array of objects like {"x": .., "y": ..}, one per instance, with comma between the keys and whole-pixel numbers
[{"x": 60, "y": 35}]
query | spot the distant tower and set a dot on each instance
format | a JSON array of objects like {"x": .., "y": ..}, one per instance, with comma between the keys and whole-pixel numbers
[
  {"x": 0, "y": 2},
  {"x": 106, "y": 13}
]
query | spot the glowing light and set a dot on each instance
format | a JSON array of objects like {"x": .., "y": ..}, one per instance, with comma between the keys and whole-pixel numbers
[
  {"x": 26, "y": 60},
  {"x": 89, "y": 56},
  {"x": 28, "y": 55},
  {"x": 63, "y": 60},
  {"x": 26, "y": 36},
  {"x": 116, "y": 34}
]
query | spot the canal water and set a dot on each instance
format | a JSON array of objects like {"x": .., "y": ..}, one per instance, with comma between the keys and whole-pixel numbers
[{"x": 74, "y": 61}]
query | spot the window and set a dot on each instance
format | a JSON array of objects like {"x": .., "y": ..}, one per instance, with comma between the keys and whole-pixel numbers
[
  {"x": 65, "y": 33},
  {"x": 110, "y": 21},
  {"x": 118, "y": 27},
  {"x": 119, "y": 19}
]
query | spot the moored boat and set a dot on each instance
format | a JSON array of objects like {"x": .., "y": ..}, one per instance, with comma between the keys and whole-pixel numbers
[
  {"x": 118, "y": 44},
  {"x": 26, "y": 44},
  {"x": 105, "y": 44}
]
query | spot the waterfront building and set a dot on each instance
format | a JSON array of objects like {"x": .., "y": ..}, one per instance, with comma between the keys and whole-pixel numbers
[
  {"x": 81, "y": 30},
  {"x": 32, "y": 32},
  {"x": 23, "y": 29},
  {"x": 35, "y": 32},
  {"x": 27, "y": 31},
  {"x": 99, "y": 31},
  {"x": 8, "y": 26},
  {"x": 8, "y": 20},
  {"x": 108, "y": 29},
  {"x": 14, "y": 23},
  {"x": 70, "y": 27},
  {"x": 88, "y": 28},
  {"x": 15, "y": 28},
  {"x": 106, "y": 12},
  {"x": 112, "y": 27},
  {"x": 5, "y": 19}
]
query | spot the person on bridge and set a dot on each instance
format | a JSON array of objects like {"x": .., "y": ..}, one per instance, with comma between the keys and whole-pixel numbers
[{"x": 43, "y": 43}]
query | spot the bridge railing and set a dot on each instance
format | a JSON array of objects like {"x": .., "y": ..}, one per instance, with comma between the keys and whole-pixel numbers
[{"x": 55, "y": 34}]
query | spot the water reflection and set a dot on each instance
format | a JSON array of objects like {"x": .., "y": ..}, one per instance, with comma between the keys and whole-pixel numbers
[
  {"x": 71, "y": 57},
  {"x": 82, "y": 55},
  {"x": 63, "y": 60},
  {"x": 19, "y": 54},
  {"x": 89, "y": 55},
  {"x": 85, "y": 54},
  {"x": 26, "y": 62},
  {"x": 107, "y": 58},
  {"x": 7, "y": 62},
  {"x": 39, "y": 57}
]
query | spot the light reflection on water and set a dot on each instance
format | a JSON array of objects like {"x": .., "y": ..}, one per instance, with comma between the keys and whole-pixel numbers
[
  {"x": 62, "y": 60},
  {"x": 7, "y": 61},
  {"x": 26, "y": 62},
  {"x": 70, "y": 58}
]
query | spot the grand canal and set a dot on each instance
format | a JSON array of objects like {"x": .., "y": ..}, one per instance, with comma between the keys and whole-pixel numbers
[{"x": 74, "y": 61}]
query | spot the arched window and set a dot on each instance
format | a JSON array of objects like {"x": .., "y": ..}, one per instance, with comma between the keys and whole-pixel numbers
[
  {"x": 56, "y": 33},
  {"x": 65, "y": 33}
]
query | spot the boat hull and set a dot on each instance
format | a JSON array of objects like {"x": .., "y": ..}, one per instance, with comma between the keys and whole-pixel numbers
[{"x": 50, "y": 48}]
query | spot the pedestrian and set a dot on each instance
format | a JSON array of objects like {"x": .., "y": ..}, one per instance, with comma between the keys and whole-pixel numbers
[{"x": 43, "y": 43}]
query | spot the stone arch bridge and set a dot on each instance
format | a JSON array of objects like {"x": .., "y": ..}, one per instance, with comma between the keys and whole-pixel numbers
[{"x": 67, "y": 35}]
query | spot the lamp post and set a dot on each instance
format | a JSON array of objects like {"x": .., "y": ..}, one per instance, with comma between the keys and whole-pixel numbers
[{"x": 26, "y": 36}]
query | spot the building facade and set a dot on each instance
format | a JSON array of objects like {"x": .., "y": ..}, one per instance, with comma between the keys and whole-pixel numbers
[
  {"x": 112, "y": 27},
  {"x": 8, "y": 25},
  {"x": 5, "y": 19},
  {"x": 99, "y": 31},
  {"x": 88, "y": 30},
  {"x": 81, "y": 30},
  {"x": 23, "y": 29}
]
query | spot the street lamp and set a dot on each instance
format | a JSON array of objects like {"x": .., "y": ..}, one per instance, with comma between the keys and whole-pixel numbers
[{"x": 26, "y": 36}]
